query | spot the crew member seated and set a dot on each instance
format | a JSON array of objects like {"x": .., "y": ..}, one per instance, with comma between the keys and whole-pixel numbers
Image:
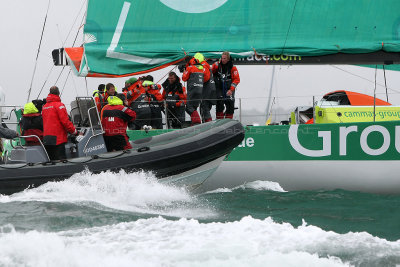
[
  {"x": 31, "y": 122},
  {"x": 115, "y": 118}
]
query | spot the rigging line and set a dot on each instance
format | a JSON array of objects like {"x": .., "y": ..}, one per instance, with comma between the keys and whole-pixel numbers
[
  {"x": 77, "y": 33},
  {"x": 59, "y": 34},
  {"x": 332, "y": 106},
  {"x": 368, "y": 80},
  {"x": 290, "y": 24},
  {"x": 167, "y": 73},
  {"x": 59, "y": 75},
  {"x": 72, "y": 26},
  {"x": 37, "y": 55},
  {"x": 87, "y": 91},
  {"x": 384, "y": 76},
  {"x": 47, "y": 78},
  {"x": 62, "y": 90},
  {"x": 73, "y": 81}
]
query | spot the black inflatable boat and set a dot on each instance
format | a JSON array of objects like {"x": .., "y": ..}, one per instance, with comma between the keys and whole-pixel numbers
[{"x": 184, "y": 157}]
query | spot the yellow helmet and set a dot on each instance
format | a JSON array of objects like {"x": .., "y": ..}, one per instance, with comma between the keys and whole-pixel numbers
[
  {"x": 199, "y": 57},
  {"x": 114, "y": 100},
  {"x": 147, "y": 83}
]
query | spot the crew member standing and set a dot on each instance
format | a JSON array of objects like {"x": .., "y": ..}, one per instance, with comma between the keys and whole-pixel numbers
[
  {"x": 99, "y": 97},
  {"x": 175, "y": 96},
  {"x": 56, "y": 125},
  {"x": 209, "y": 91},
  {"x": 226, "y": 80},
  {"x": 154, "y": 98},
  {"x": 195, "y": 77},
  {"x": 114, "y": 118},
  {"x": 110, "y": 90}
]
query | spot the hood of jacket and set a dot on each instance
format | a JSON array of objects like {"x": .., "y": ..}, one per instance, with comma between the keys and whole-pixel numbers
[{"x": 53, "y": 98}]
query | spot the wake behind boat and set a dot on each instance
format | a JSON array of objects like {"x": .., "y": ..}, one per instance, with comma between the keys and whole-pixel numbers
[{"x": 185, "y": 157}]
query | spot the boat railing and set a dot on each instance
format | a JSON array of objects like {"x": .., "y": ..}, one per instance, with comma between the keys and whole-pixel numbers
[
  {"x": 94, "y": 134},
  {"x": 249, "y": 111},
  {"x": 7, "y": 112}
]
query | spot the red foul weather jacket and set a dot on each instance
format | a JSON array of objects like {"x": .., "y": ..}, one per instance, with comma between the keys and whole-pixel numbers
[
  {"x": 115, "y": 118},
  {"x": 232, "y": 76},
  {"x": 155, "y": 91},
  {"x": 189, "y": 70},
  {"x": 56, "y": 123},
  {"x": 206, "y": 71}
]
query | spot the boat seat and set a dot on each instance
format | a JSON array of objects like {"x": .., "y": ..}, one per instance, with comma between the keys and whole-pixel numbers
[{"x": 28, "y": 154}]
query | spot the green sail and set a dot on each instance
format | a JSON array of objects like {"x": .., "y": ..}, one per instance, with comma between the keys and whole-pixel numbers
[{"x": 133, "y": 36}]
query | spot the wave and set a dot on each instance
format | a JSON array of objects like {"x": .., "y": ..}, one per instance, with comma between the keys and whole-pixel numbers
[
  {"x": 255, "y": 185},
  {"x": 187, "y": 242},
  {"x": 138, "y": 192}
]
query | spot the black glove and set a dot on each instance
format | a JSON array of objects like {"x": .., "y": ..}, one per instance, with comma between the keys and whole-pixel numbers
[{"x": 181, "y": 68}]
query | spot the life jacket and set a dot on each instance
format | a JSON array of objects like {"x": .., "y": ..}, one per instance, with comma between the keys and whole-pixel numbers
[
  {"x": 56, "y": 123},
  {"x": 134, "y": 91},
  {"x": 99, "y": 99},
  {"x": 106, "y": 95}
]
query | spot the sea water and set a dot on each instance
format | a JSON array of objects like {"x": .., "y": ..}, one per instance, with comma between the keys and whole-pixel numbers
[{"x": 119, "y": 219}]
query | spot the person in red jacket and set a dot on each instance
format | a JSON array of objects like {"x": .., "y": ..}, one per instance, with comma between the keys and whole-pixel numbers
[
  {"x": 115, "y": 118},
  {"x": 226, "y": 80},
  {"x": 154, "y": 98},
  {"x": 56, "y": 125},
  {"x": 194, "y": 76},
  {"x": 209, "y": 91}
]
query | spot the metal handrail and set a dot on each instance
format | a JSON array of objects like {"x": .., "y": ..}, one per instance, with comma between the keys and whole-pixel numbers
[{"x": 91, "y": 127}]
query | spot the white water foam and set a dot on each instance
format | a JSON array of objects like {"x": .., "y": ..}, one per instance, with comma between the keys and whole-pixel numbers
[
  {"x": 134, "y": 192},
  {"x": 161, "y": 242},
  {"x": 256, "y": 185}
]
